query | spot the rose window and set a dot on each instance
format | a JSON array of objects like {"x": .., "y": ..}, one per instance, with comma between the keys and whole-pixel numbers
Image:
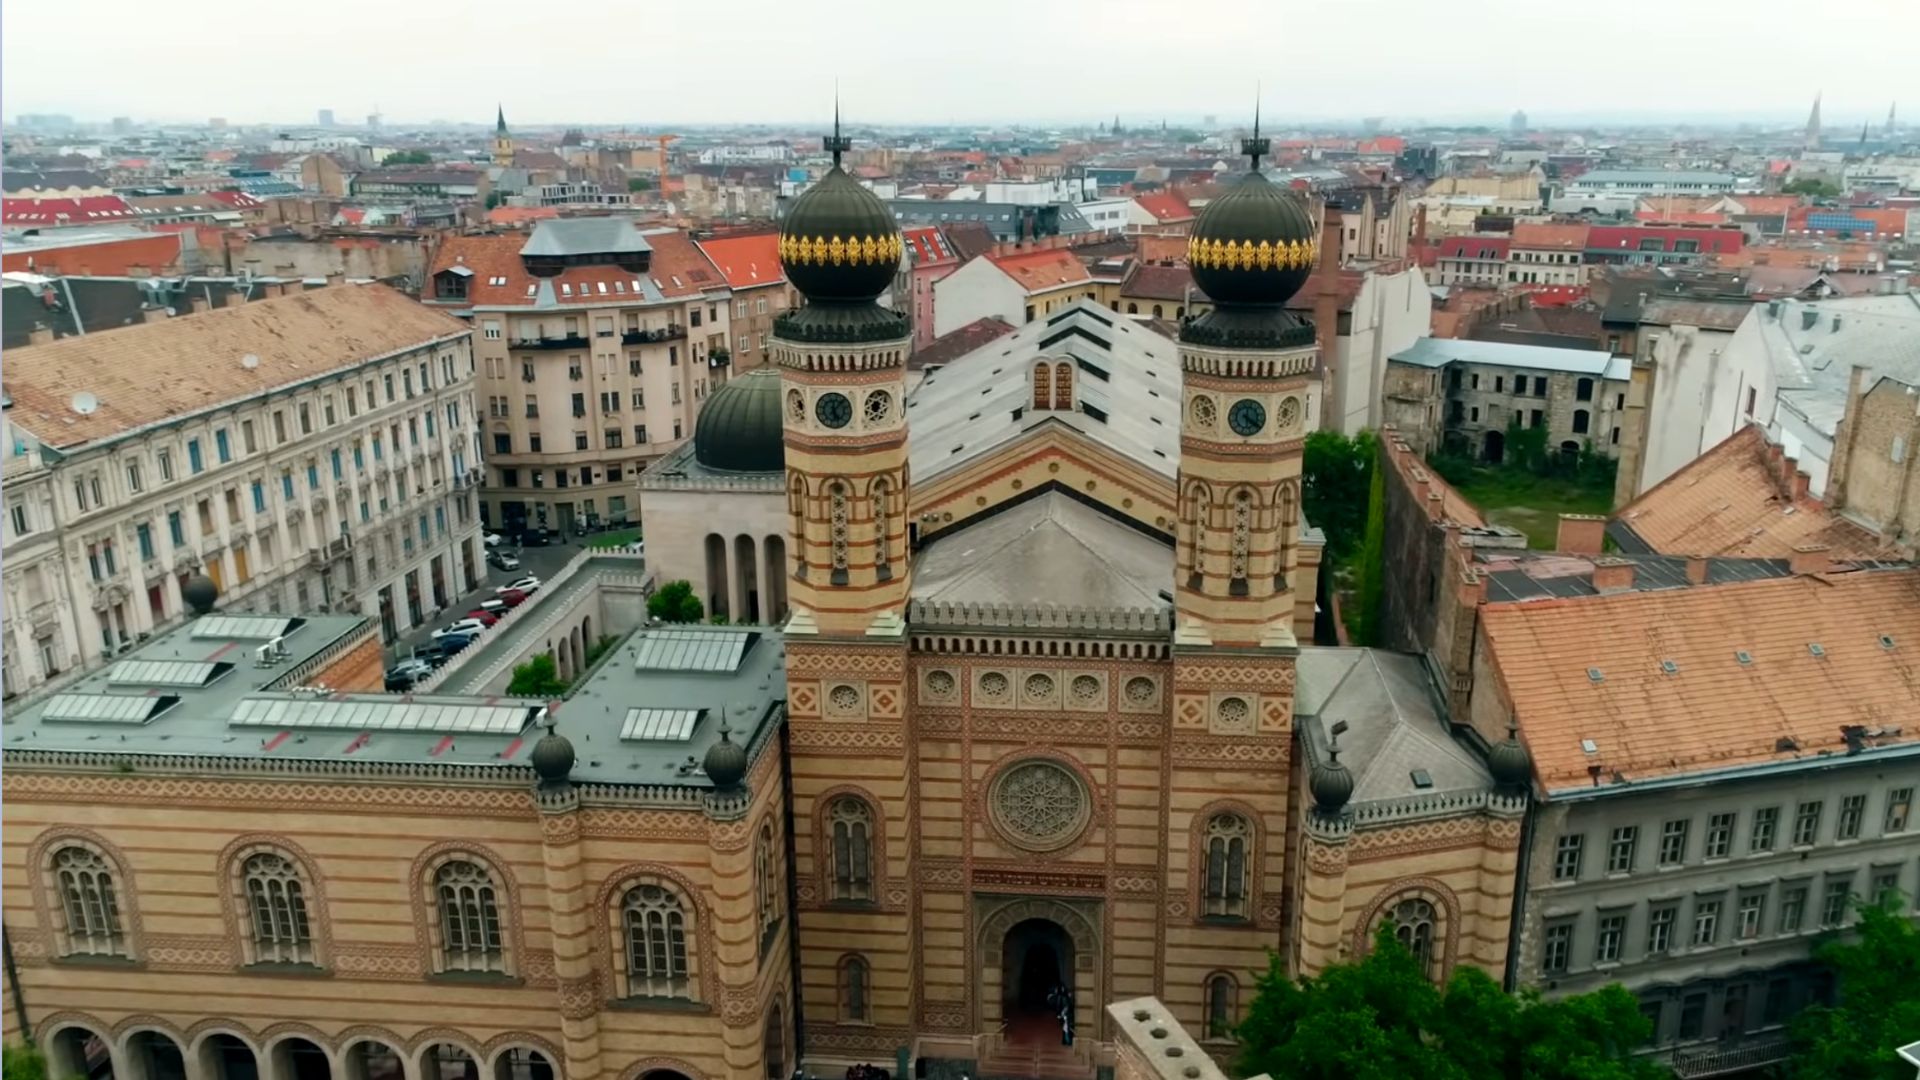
[
  {"x": 844, "y": 698},
  {"x": 994, "y": 686},
  {"x": 940, "y": 684},
  {"x": 1085, "y": 689},
  {"x": 1039, "y": 686},
  {"x": 1140, "y": 690},
  {"x": 1040, "y": 804}
]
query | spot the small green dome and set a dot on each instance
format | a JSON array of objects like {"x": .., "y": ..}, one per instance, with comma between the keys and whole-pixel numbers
[
  {"x": 200, "y": 593},
  {"x": 1510, "y": 763},
  {"x": 739, "y": 428},
  {"x": 726, "y": 762},
  {"x": 552, "y": 758},
  {"x": 1253, "y": 245},
  {"x": 839, "y": 242},
  {"x": 1331, "y": 784}
]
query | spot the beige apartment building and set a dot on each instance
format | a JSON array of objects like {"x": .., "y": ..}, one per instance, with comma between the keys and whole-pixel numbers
[
  {"x": 307, "y": 452},
  {"x": 751, "y": 264},
  {"x": 595, "y": 341}
]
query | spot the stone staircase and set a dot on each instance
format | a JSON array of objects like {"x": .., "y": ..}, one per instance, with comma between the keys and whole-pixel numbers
[{"x": 1031, "y": 1057}]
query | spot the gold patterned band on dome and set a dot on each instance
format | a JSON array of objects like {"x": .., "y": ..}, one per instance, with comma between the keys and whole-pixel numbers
[
  {"x": 836, "y": 251},
  {"x": 1247, "y": 255}
]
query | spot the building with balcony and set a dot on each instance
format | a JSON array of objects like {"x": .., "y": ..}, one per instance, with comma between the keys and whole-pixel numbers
[
  {"x": 308, "y": 452},
  {"x": 595, "y": 342},
  {"x": 751, "y": 265}
]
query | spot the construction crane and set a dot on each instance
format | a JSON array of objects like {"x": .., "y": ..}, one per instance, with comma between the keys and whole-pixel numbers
[{"x": 665, "y": 141}]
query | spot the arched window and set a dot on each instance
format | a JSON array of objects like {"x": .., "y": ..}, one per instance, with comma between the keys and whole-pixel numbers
[
  {"x": 1226, "y": 866},
  {"x": 655, "y": 925},
  {"x": 1582, "y": 420},
  {"x": 1242, "y": 540},
  {"x": 797, "y": 515},
  {"x": 852, "y": 825},
  {"x": 1223, "y": 1006},
  {"x": 882, "y": 558},
  {"x": 87, "y": 898},
  {"x": 1195, "y": 524},
  {"x": 1042, "y": 394},
  {"x": 854, "y": 990},
  {"x": 1413, "y": 929},
  {"x": 1156, "y": 311},
  {"x": 837, "y": 521},
  {"x": 766, "y": 885},
  {"x": 470, "y": 938},
  {"x": 277, "y": 907},
  {"x": 1133, "y": 308},
  {"x": 1063, "y": 385}
]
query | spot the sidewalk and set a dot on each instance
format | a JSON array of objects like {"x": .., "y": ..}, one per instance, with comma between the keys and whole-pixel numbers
[{"x": 541, "y": 562}]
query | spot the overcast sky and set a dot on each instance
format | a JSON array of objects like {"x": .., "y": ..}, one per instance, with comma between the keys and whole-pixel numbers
[{"x": 654, "y": 64}]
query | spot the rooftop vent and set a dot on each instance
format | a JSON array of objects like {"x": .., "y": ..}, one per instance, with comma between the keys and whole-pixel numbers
[
  {"x": 1743, "y": 656},
  {"x": 1817, "y": 649},
  {"x": 1594, "y": 675},
  {"x": 1785, "y": 745},
  {"x": 1669, "y": 667},
  {"x": 1421, "y": 778},
  {"x": 1886, "y": 641},
  {"x": 1589, "y": 746}
]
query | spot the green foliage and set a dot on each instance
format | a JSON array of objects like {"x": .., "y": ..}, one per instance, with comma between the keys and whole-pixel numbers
[
  {"x": 1877, "y": 975},
  {"x": 408, "y": 157},
  {"x": 1812, "y": 185},
  {"x": 23, "y": 1062},
  {"x": 1334, "y": 474},
  {"x": 674, "y": 602},
  {"x": 493, "y": 199},
  {"x": 718, "y": 620},
  {"x": 599, "y": 649},
  {"x": 537, "y": 678},
  {"x": 1381, "y": 1019},
  {"x": 1364, "y": 621},
  {"x": 639, "y": 183}
]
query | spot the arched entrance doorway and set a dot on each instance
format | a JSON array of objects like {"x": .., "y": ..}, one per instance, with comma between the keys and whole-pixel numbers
[
  {"x": 78, "y": 1052},
  {"x": 157, "y": 1056},
  {"x": 1495, "y": 447},
  {"x": 1036, "y": 962},
  {"x": 299, "y": 1059}
]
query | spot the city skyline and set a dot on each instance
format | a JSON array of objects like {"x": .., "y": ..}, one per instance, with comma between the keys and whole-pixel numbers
[{"x": 1409, "y": 68}]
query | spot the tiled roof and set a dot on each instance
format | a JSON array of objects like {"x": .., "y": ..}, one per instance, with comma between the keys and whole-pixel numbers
[
  {"x": 1165, "y": 206},
  {"x": 165, "y": 370},
  {"x": 94, "y": 208},
  {"x": 238, "y": 200},
  {"x": 927, "y": 246},
  {"x": 1766, "y": 204},
  {"x": 1474, "y": 246},
  {"x": 679, "y": 267},
  {"x": 1822, "y": 652},
  {"x": 1737, "y": 499},
  {"x": 971, "y": 238},
  {"x": 957, "y": 343},
  {"x": 498, "y": 278},
  {"x": 27, "y": 181},
  {"x": 1042, "y": 270},
  {"x": 1710, "y": 241},
  {"x": 746, "y": 262},
  {"x": 1159, "y": 283},
  {"x": 1664, "y": 217},
  {"x": 1532, "y": 237}
]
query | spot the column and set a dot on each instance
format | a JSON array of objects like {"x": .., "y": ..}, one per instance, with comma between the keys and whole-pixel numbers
[{"x": 569, "y": 901}]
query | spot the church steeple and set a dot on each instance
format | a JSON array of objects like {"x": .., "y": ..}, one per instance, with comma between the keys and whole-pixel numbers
[
  {"x": 1813, "y": 125},
  {"x": 500, "y": 123},
  {"x": 502, "y": 142}
]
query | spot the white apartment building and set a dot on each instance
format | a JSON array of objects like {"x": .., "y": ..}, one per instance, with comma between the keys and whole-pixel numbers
[
  {"x": 312, "y": 451},
  {"x": 596, "y": 342}
]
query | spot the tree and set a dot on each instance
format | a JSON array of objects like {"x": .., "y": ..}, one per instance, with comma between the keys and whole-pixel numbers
[
  {"x": 23, "y": 1062},
  {"x": 639, "y": 183},
  {"x": 1381, "y": 1019},
  {"x": 1372, "y": 571},
  {"x": 1334, "y": 474},
  {"x": 674, "y": 602},
  {"x": 537, "y": 678},
  {"x": 1877, "y": 975},
  {"x": 1812, "y": 185},
  {"x": 408, "y": 157}
]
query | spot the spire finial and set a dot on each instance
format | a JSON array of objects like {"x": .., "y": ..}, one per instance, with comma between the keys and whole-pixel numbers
[
  {"x": 500, "y": 123},
  {"x": 1256, "y": 146},
  {"x": 836, "y": 143}
]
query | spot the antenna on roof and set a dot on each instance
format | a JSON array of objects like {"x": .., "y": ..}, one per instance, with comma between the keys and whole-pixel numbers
[
  {"x": 1256, "y": 146},
  {"x": 836, "y": 143},
  {"x": 85, "y": 403}
]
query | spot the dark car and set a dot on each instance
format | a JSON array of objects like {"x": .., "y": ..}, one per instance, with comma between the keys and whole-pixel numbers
[
  {"x": 403, "y": 675},
  {"x": 534, "y": 538},
  {"x": 453, "y": 643}
]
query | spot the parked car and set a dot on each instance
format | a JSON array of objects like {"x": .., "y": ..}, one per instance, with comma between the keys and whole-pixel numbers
[
  {"x": 402, "y": 676},
  {"x": 453, "y": 643},
  {"x": 495, "y": 607},
  {"x": 513, "y": 598},
  {"x": 534, "y": 537},
  {"x": 528, "y": 585},
  {"x": 503, "y": 560},
  {"x": 468, "y": 626},
  {"x": 484, "y": 618},
  {"x": 491, "y": 539},
  {"x": 430, "y": 655}
]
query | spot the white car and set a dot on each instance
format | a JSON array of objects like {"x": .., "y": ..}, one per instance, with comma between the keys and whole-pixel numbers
[
  {"x": 463, "y": 627},
  {"x": 491, "y": 539},
  {"x": 528, "y": 585}
]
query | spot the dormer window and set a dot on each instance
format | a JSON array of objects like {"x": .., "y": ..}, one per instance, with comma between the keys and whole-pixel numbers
[{"x": 451, "y": 283}]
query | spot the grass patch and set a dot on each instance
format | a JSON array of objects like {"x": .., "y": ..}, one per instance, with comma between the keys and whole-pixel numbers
[
  {"x": 1531, "y": 503},
  {"x": 618, "y": 538}
]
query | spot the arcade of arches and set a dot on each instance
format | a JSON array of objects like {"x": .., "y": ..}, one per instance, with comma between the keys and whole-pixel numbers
[{"x": 78, "y": 1046}]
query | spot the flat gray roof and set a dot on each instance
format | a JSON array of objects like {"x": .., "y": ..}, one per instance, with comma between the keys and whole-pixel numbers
[
  {"x": 645, "y": 714},
  {"x": 585, "y": 236},
  {"x": 1438, "y": 352}
]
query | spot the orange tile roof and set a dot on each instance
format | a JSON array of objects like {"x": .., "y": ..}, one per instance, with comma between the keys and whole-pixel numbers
[
  {"x": 1043, "y": 270},
  {"x": 1550, "y": 237},
  {"x": 1165, "y": 206},
  {"x": 1767, "y": 204},
  {"x": 500, "y": 278},
  {"x": 679, "y": 266},
  {"x": 1738, "y": 499},
  {"x": 166, "y": 370},
  {"x": 746, "y": 261},
  {"x": 1712, "y": 712}
]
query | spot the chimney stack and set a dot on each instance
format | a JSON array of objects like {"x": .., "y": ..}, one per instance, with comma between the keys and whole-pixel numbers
[
  {"x": 40, "y": 334},
  {"x": 1581, "y": 534},
  {"x": 1809, "y": 559},
  {"x": 1612, "y": 576},
  {"x": 1696, "y": 569},
  {"x": 197, "y": 302}
]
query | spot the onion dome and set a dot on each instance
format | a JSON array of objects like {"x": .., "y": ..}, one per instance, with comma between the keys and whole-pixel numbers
[
  {"x": 739, "y": 428},
  {"x": 1331, "y": 783},
  {"x": 199, "y": 592},
  {"x": 1509, "y": 762},
  {"x": 1250, "y": 250},
  {"x": 726, "y": 762},
  {"x": 839, "y": 245},
  {"x": 552, "y": 758}
]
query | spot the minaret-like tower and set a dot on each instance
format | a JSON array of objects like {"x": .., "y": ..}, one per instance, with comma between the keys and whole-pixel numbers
[
  {"x": 843, "y": 368},
  {"x": 1251, "y": 378},
  {"x": 502, "y": 142}
]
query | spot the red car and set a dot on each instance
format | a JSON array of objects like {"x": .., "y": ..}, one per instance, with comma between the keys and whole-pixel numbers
[
  {"x": 487, "y": 618},
  {"x": 513, "y": 598}
]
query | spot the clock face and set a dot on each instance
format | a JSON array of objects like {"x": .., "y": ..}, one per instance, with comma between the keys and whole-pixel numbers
[
  {"x": 1247, "y": 417},
  {"x": 834, "y": 410}
]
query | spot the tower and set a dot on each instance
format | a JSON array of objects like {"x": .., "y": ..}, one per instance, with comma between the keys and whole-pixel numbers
[
  {"x": 502, "y": 142},
  {"x": 842, "y": 362},
  {"x": 1813, "y": 125}
]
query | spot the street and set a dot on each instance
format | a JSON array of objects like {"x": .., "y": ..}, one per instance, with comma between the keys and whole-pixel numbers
[{"x": 542, "y": 562}]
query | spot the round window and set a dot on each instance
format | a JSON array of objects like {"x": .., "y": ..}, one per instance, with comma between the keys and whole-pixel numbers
[{"x": 1040, "y": 805}]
